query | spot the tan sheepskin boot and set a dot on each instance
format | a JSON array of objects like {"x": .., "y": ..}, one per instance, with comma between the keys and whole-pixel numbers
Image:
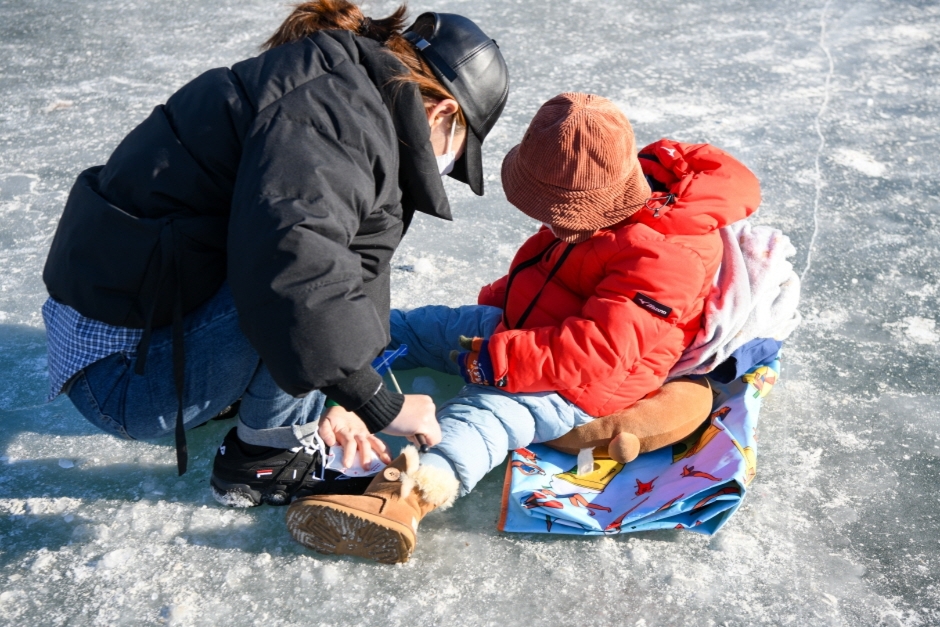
[
  {"x": 381, "y": 524},
  {"x": 664, "y": 417}
]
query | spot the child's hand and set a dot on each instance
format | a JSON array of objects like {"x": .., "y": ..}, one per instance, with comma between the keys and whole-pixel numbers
[
  {"x": 475, "y": 363},
  {"x": 338, "y": 426}
]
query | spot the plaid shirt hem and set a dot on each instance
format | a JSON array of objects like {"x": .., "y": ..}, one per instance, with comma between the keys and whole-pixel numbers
[{"x": 75, "y": 342}]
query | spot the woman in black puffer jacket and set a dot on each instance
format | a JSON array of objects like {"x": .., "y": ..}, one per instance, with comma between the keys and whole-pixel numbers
[{"x": 236, "y": 244}]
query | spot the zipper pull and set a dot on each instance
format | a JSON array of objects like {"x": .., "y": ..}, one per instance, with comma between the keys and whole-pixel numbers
[{"x": 666, "y": 201}]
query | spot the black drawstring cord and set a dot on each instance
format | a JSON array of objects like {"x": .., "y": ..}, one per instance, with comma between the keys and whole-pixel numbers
[
  {"x": 179, "y": 367},
  {"x": 166, "y": 261},
  {"x": 169, "y": 262},
  {"x": 525, "y": 264}
]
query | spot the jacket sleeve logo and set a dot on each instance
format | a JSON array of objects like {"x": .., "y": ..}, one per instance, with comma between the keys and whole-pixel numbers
[{"x": 650, "y": 305}]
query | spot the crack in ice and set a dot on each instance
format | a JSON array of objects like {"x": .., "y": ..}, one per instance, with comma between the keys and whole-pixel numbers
[
  {"x": 795, "y": 581},
  {"x": 822, "y": 141}
]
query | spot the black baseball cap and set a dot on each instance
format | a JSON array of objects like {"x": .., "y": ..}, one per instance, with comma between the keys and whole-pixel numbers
[{"x": 471, "y": 67}]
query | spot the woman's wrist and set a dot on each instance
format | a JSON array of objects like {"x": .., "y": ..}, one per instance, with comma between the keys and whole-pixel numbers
[
  {"x": 364, "y": 393},
  {"x": 380, "y": 410}
]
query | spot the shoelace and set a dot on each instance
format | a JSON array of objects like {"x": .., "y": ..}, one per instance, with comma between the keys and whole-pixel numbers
[{"x": 311, "y": 445}]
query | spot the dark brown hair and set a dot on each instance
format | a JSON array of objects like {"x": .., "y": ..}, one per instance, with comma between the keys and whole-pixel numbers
[{"x": 310, "y": 17}]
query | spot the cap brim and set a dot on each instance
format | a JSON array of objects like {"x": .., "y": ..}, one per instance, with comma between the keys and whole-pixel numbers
[{"x": 469, "y": 168}]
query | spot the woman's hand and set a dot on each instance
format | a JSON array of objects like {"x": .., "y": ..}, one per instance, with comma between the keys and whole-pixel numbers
[
  {"x": 416, "y": 418},
  {"x": 338, "y": 426}
]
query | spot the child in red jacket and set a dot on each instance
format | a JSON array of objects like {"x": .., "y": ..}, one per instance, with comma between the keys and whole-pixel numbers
[{"x": 599, "y": 304}]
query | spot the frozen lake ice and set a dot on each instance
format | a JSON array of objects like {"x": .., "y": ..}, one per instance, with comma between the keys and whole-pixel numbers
[{"x": 835, "y": 105}]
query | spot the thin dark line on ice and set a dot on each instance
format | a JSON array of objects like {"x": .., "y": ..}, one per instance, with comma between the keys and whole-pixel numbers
[
  {"x": 812, "y": 241},
  {"x": 822, "y": 141}
]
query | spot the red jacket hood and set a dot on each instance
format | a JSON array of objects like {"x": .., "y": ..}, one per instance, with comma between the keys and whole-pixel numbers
[{"x": 711, "y": 190}]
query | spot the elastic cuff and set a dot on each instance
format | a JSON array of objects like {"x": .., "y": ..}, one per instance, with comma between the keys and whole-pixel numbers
[
  {"x": 381, "y": 409},
  {"x": 355, "y": 390}
]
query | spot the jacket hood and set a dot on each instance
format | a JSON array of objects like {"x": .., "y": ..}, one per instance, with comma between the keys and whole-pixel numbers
[{"x": 712, "y": 189}]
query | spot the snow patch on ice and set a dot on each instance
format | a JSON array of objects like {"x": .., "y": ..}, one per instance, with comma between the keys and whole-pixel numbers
[
  {"x": 915, "y": 329},
  {"x": 232, "y": 498},
  {"x": 908, "y": 32},
  {"x": 17, "y": 184},
  {"x": 117, "y": 558},
  {"x": 13, "y": 603},
  {"x": 866, "y": 164},
  {"x": 650, "y": 114},
  {"x": 921, "y": 330},
  {"x": 826, "y": 320},
  {"x": 424, "y": 266},
  {"x": 57, "y": 105}
]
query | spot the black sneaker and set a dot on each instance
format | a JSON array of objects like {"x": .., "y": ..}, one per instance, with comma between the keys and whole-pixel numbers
[{"x": 244, "y": 475}]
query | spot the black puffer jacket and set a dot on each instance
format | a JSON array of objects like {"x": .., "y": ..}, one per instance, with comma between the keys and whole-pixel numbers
[{"x": 292, "y": 176}]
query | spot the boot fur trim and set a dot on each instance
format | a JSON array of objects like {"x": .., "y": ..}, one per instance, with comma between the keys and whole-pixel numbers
[
  {"x": 437, "y": 487},
  {"x": 412, "y": 461}
]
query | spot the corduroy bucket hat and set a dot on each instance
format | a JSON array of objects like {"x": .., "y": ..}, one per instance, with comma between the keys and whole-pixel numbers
[
  {"x": 471, "y": 67},
  {"x": 576, "y": 169}
]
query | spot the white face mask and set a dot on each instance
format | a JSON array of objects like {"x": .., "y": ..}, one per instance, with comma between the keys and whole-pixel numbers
[{"x": 445, "y": 162}]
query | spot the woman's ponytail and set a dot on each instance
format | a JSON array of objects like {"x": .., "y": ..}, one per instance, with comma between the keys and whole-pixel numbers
[{"x": 310, "y": 17}]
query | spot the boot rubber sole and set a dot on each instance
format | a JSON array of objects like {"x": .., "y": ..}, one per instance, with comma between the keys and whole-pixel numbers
[{"x": 335, "y": 529}]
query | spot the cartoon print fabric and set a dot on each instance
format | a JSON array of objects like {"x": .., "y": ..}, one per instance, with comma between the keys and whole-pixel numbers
[{"x": 696, "y": 484}]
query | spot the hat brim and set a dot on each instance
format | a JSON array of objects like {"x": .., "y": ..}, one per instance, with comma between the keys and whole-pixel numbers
[
  {"x": 469, "y": 167},
  {"x": 573, "y": 215}
]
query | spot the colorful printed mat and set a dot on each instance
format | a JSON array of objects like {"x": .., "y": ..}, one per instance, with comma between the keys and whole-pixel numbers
[{"x": 696, "y": 484}]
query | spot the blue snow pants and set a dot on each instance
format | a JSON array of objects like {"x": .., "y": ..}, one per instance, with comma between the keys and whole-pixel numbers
[{"x": 482, "y": 423}]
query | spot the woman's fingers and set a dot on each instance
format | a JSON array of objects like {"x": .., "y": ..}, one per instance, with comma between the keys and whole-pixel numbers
[
  {"x": 380, "y": 448},
  {"x": 365, "y": 449},
  {"x": 347, "y": 430},
  {"x": 349, "y": 451},
  {"x": 326, "y": 432},
  {"x": 432, "y": 433}
]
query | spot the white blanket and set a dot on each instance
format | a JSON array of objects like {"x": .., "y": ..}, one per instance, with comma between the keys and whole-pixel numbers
[{"x": 755, "y": 295}]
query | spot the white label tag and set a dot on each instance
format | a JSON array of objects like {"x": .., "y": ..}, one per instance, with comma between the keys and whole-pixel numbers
[
  {"x": 585, "y": 461},
  {"x": 334, "y": 461}
]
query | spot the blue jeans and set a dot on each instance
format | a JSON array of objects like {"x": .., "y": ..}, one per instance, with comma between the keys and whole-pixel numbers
[
  {"x": 221, "y": 368},
  {"x": 482, "y": 423}
]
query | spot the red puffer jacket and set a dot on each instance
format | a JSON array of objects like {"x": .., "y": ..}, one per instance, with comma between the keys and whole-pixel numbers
[{"x": 622, "y": 306}]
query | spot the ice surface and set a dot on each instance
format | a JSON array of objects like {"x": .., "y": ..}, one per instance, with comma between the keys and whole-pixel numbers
[{"x": 833, "y": 104}]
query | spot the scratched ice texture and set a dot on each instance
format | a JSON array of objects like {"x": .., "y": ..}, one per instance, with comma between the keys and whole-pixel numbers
[{"x": 835, "y": 105}]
